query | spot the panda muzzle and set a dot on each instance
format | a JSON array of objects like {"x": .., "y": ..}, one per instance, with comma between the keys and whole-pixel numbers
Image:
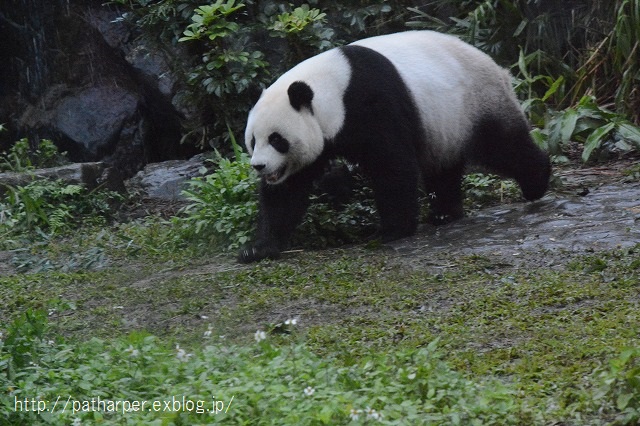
[{"x": 274, "y": 177}]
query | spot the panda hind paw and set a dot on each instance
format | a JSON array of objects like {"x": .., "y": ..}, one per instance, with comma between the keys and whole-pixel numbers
[{"x": 257, "y": 253}]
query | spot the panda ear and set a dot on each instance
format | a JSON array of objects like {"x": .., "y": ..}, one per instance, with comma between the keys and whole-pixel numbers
[{"x": 300, "y": 95}]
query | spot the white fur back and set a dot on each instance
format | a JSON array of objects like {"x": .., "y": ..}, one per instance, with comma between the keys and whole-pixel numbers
[{"x": 451, "y": 82}]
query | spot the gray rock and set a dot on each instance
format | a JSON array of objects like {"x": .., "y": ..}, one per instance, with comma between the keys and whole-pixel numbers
[
  {"x": 153, "y": 67},
  {"x": 95, "y": 117},
  {"x": 166, "y": 180},
  {"x": 87, "y": 174}
]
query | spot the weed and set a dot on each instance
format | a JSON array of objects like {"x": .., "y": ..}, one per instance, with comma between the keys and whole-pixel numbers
[
  {"x": 22, "y": 157},
  {"x": 223, "y": 205},
  {"x": 620, "y": 387},
  {"x": 52, "y": 206}
]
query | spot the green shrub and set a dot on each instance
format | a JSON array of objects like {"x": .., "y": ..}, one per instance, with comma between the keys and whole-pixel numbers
[
  {"x": 305, "y": 31},
  {"x": 21, "y": 157},
  {"x": 227, "y": 69},
  {"x": 52, "y": 206},
  {"x": 481, "y": 189},
  {"x": 223, "y": 205},
  {"x": 327, "y": 224},
  {"x": 598, "y": 129}
]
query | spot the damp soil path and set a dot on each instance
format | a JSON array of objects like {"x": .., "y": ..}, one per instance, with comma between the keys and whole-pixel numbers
[{"x": 543, "y": 232}]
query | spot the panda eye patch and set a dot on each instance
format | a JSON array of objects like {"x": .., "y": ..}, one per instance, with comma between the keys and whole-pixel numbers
[
  {"x": 279, "y": 143},
  {"x": 253, "y": 143}
]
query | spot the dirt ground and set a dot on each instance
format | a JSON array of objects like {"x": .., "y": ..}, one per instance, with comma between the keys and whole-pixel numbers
[
  {"x": 591, "y": 209},
  {"x": 588, "y": 209}
]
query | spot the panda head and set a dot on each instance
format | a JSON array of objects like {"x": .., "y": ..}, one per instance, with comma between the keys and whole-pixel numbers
[{"x": 283, "y": 136}]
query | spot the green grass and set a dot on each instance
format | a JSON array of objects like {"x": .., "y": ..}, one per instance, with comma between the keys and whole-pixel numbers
[{"x": 533, "y": 343}]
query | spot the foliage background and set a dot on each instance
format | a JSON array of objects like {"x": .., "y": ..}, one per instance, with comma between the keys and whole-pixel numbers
[{"x": 577, "y": 48}]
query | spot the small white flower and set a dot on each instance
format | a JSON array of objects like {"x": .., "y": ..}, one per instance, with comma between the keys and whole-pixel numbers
[
  {"x": 373, "y": 414},
  {"x": 182, "y": 355},
  {"x": 260, "y": 335},
  {"x": 308, "y": 391},
  {"x": 292, "y": 321},
  {"x": 411, "y": 376},
  {"x": 76, "y": 422},
  {"x": 355, "y": 414},
  {"x": 207, "y": 334}
]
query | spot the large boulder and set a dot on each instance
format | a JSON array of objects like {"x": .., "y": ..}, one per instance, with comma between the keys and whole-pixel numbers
[
  {"x": 95, "y": 118},
  {"x": 103, "y": 92}
]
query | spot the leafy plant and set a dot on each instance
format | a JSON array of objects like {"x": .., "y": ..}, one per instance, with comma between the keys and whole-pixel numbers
[
  {"x": 21, "y": 157},
  {"x": 211, "y": 21},
  {"x": 229, "y": 65},
  {"x": 481, "y": 189},
  {"x": 620, "y": 389},
  {"x": 22, "y": 340},
  {"x": 223, "y": 204},
  {"x": 303, "y": 28},
  {"x": 328, "y": 223},
  {"x": 597, "y": 128},
  {"x": 263, "y": 383},
  {"x": 52, "y": 206}
]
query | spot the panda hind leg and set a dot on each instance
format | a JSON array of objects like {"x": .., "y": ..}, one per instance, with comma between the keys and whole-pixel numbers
[
  {"x": 444, "y": 193},
  {"x": 511, "y": 152}
]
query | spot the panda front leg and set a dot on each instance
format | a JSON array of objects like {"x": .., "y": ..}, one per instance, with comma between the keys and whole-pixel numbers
[{"x": 281, "y": 209}]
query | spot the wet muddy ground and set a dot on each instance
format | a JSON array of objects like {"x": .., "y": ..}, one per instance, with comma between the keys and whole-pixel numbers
[{"x": 595, "y": 210}]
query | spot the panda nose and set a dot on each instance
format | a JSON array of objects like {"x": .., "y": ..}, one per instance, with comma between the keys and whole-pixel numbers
[{"x": 258, "y": 167}]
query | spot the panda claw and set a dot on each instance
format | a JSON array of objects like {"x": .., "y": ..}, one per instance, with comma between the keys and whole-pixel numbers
[
  {"x": 255, "y": 254},
  {"x": 248, "y": 255}
]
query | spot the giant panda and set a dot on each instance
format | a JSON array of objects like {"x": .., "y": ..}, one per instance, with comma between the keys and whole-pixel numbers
[{"x": 409, "y": 108}]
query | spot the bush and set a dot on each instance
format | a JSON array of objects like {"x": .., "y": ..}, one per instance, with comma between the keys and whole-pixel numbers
[
  {"x": 481, "y": 189},
  {"x": 52, "y": 206},
  {"x": 223, "y": 205},
  {"x": 331, "y": 222},
  {"x": 600, "y": 131},
  {"x": 21, "y": 157}
]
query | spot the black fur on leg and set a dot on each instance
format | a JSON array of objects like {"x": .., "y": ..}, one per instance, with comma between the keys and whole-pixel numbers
[
  {"x": 507, "y": 149},
  {"x": 396, "y": 197},
  {"x": 281, "y": 209},
  {"x": 444, "y": 191}
]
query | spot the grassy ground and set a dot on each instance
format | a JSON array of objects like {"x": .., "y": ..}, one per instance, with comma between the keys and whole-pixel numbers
[
  {"x": 116, "y": 312},
  {"x": 543, "y": 333}
]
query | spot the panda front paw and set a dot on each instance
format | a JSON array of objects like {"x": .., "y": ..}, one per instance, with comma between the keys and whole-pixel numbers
[{"x": 257, "y": 253}]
